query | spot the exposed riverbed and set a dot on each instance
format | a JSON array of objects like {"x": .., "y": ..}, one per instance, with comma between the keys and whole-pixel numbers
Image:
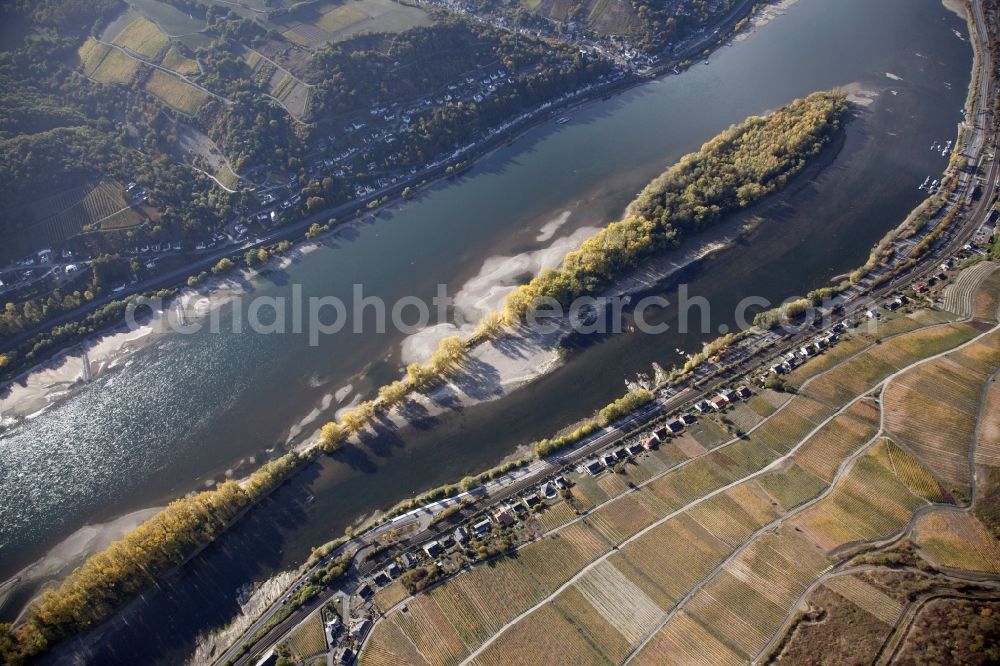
[{"x": 183, "y": 411}]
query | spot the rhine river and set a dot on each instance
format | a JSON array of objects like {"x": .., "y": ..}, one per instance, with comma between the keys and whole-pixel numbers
[{"x": 181, "y": 411}]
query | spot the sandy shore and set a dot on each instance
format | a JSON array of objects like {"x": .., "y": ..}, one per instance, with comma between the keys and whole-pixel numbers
[
  {"x": 43, "y": 385},
  {"x": 495, "y": 368},
  {"x": 72, "y": 550}
]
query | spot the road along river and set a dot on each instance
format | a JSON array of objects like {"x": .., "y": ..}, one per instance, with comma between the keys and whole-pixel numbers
[{"x": 182, "y": 410}]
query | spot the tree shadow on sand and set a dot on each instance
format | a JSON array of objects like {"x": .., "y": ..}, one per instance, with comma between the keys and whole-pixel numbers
[{"x": 478, "y": 380}]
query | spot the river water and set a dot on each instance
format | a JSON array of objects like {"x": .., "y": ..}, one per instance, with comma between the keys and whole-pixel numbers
[{"x": 187, "y": 408}]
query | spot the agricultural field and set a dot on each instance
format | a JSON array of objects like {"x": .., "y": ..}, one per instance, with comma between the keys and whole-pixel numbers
[
  {"x": 573, "y": 606},
  {"x": 548, "y": 637},
  {"x": 703, "y": 565},
  {"x": 554, "y": 559},
  {"x": 115, "y": 67},
  {"x": 793, "y": 422},
  {"x": 621, "y": 603},
  {"x": 987, "y": 299},
  {"x": 683, "y": 640},
  {"x": 429, "y": 632},
  {"x": 176, "y": 61},
  {"x": 620, "y": 519},
  {"x": 390, "y": 595},
  {"x": 143, "y": 37},
  {"x": 933, "y": 409},
  {"x": 960, "y": 295},
  {"x": 52, "y": 220},
  {"x": 175, "y": 93},
  {"x": 91, "y": 54},
  {"x": 988, "y": 443},
  {"x": 823, "y": 453},
  {"x": 317, "y": 24},
  {"x": 480, "y": 601},
  {"x": 308, "y": 638},
  {"x": 389, "y": 646},
  {"x": 791, "y": 485},
  {"x": 868, "y": 502},
  {"x": 290, "y": 92},
  {"x": 958, "y": 541}
]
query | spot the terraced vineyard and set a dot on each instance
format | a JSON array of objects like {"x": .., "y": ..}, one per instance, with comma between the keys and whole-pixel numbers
[
  {"x": 706, "y": 560},
  {"x": 175, "y": 93}
]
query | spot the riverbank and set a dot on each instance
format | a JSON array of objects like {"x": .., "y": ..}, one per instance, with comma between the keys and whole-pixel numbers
[
  {"x": 426, "y": 461},
  {"x": 54, "y": 381}
]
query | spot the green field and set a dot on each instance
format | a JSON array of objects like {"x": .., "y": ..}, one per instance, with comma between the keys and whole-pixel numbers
[
  {"x": 175, "y": 93},
  {"x": 115, "y": 67},
  {"x": 179, "y": 63},
  {"x": 323, "y": 22},
  {"x": 143, "y": 37}
]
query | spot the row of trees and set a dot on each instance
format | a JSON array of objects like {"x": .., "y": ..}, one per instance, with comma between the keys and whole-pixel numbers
[
  {"x": 109, "y": 578},
  {"x": 449, "y": 354},
  {"x": 732, "y": 171}
]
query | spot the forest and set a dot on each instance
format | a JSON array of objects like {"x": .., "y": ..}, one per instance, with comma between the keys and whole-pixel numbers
[{"x": 732, "y": 171}]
